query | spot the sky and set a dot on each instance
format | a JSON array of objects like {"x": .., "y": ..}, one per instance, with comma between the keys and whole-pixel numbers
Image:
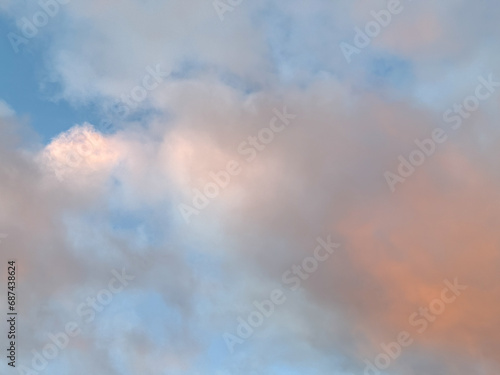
[{"x": 198, "y": 187}]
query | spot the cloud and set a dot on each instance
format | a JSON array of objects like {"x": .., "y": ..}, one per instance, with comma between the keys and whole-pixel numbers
[
  {"x": 5, "y": 110},
  {"x": 91, "y": 201}
]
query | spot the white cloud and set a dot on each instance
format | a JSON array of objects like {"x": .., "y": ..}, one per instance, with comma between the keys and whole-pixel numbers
[{"x": 5, "y": 110}]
